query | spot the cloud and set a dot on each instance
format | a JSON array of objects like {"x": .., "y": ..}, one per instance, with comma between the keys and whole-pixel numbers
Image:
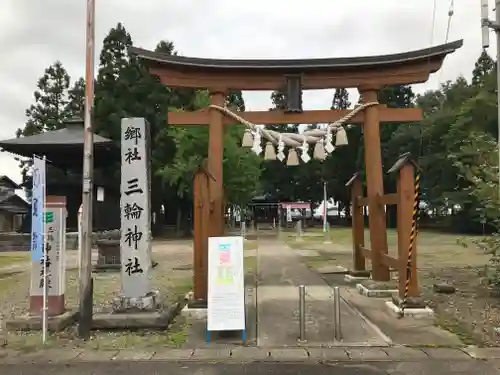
[{"x": 35, "y": 33}]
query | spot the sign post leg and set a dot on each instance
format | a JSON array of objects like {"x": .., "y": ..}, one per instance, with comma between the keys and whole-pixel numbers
[{"x": 209, "y": 337}]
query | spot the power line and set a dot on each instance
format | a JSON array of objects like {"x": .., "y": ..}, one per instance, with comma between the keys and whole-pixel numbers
[
  {"x": 451, "y": 11},
  {"x": 431, "y": 42},
  {"x": 433, "y": 25}
]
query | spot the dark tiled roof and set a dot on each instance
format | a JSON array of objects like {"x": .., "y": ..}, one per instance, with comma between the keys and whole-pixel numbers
[
  {"x": 70, "y": 136},
  {"x": 63, "y": 147},
  {"x": 297, "y": 64},
  {"x": 13, "y": 203},
  {"x": 10, "y": 183}
]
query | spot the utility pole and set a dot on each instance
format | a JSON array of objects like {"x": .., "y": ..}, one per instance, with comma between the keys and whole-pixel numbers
[
  {"x": 86, "y": 285},
  {"x": 486, "y": 25}
]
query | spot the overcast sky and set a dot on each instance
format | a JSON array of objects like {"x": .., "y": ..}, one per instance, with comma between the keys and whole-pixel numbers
[{"x": 35, "y": 33}]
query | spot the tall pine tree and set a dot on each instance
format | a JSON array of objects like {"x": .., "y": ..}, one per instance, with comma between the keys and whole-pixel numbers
[
  {"x": 49, "y": 110},
  {"x": 483, "y": 68},
  {"x": 340, "y": 99},
  {"x": 112, "y": 89},
  {"x": 76, "y": 99}
]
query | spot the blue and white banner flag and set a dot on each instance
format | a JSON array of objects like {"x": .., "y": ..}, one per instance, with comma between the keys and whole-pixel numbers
[{"x": 38, "y": 209}]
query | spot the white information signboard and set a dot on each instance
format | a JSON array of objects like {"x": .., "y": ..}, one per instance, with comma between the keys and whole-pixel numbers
[
  {"x": 226, "y": 289},
  {"x": 55, "y": 246}
]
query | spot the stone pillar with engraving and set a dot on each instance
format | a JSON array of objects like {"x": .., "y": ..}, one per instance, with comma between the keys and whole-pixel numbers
[
  {"x": 55, "y": 251},
  {"x": 135, "y": 241}
]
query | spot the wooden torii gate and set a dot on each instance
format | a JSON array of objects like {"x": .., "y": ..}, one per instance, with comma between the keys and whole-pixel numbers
[{"x": 368, "y": 74}]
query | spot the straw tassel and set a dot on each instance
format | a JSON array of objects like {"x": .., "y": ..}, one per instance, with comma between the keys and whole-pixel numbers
[
  {"x": 293, "y": 159},
  {"x": 341, "y": 137},
  {"x": 269, "y": 153},
  {"x": 319, "y": 151},
  {"x": 247, "y": 139}
]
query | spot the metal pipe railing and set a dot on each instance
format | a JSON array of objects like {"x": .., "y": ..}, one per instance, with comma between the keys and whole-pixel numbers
[{"x": 302, "y": 313}]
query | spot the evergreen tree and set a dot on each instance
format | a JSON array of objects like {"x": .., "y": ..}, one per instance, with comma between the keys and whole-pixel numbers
[
  {"x": 483, "y": 68},
  {"x": 167, "y": 47},
  {"x": 49, "y": 111},
  {"x": 112, "y": 89},
  {"x": 76, "y": 99},
  {"x": 340, "y": 99},
  {"x": 339, "y": 167},
  {"x": 234, "y": 99}
]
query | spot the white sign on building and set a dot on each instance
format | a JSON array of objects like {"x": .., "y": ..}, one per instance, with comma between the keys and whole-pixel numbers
[
  {"x": 226, "y": 284},
  {"x": 135, "y": 243}
]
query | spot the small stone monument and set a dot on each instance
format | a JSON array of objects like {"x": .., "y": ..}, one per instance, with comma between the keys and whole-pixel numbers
[{"x": 135, "y": 240}]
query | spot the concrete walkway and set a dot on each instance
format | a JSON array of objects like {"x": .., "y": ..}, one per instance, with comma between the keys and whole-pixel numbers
[{"x": 280, "y": 272}]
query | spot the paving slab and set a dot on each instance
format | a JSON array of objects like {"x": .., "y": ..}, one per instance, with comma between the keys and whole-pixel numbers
[
  {"x": 134, "y": 355},
  {"x": 445, "y": 353},
  {"x": 172, "y": 354},
  {"x": 289, "y": 354},
  {"x": 367, "y": 354},
  {"x": 96, "y": 355},
  {"x": 211, "y": 354},
  {"x": 483, "y": 353},
  {"x": 327, "y": 354},
  {"x": 405, "y": 353},
  {"x": 249, "y": 353}
]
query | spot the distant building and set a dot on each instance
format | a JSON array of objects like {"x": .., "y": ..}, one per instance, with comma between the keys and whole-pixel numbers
[{"x": 13, "y": 208}]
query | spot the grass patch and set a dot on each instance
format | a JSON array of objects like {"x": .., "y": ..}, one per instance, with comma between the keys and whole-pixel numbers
[
  {"x": 250, "y": 245},
  {"x": 175, "y": 337},
  {"x": 455, "y": 327},
  {"x": 12, "y": 258},
  {"x": 434, "y": 249}
]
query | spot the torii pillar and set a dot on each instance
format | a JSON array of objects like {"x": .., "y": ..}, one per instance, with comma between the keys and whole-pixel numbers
[
  {"x": 375, "y": 185},
  {"x": 215, "y": 166}
]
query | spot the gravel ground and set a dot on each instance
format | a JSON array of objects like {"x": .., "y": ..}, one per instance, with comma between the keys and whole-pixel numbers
[
  {"x": 471, "y": 312},
  {"x": 172, "y": 277}
]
